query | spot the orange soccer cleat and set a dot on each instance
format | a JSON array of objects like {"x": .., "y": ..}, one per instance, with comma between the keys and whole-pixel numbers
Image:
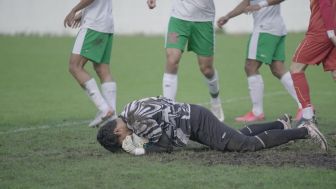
[{"x": 250, "y": 117}]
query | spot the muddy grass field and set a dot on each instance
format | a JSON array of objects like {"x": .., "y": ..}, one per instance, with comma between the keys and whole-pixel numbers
[
  {"x": 45, "y": 141},
  {"x": 294, "y": 154}
]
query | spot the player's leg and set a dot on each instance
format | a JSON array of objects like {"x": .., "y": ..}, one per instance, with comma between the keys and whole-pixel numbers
[
  {"x": 309, "y": 52},
  {"x": 256, "y": 91},
  {"x": 283, "y": 122},
  {"x": 275, "y": 134},
  {"x": 279, "y": 71},
  {"x": 86, "y": 46},
  {"x": 170, "y": 76},
  {"x": 212, "y": 81},
  {"x": 267, "y": 139},
  {"x": 76, "y": 68},
  {"x": 202, "y": 43},
  {"x": 176, "y": 39},
  {"x": 108, "y": 84},
  {"x": 302, "y": 88},
  {"x": 208, "y": 130},
  {"x": 256, "y": 55},
  {"x": 277, "y": 137}
]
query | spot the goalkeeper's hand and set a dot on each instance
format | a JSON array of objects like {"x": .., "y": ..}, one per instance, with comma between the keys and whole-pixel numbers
[
  {"x": 129, "y": 146},
  {"x": 139, "y": 141}
]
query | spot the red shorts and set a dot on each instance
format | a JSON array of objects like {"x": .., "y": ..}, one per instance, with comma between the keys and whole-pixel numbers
[{"x": 315, "y": 51}]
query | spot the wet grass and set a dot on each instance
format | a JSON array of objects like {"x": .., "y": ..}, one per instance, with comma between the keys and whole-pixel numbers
[{"x": 45, "y": 141}]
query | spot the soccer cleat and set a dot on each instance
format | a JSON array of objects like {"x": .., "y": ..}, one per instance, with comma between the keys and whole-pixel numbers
[
  {"x": 315, "y": 134},
  {"x": 101, "y": 117},
  {"x": 302, "y": 121},
  {"x": 298, "y": 114},
  {"x": 286, "y": 120},
  {"x": 250, "y": 117},
  {"x": 217, "y": 110}
]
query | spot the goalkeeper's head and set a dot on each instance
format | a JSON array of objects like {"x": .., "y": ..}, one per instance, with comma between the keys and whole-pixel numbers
[{"x": 111, "y": 134}]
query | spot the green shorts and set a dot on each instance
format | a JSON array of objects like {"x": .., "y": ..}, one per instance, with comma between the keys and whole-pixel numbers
[
  {"x": 93, "y": 45},
  {"x": 198, "y": 35},
  {"x": 266, "y": 47}
]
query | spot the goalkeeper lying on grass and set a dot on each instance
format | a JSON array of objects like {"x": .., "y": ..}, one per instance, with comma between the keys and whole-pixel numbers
[{"x": 157, "y": 124}]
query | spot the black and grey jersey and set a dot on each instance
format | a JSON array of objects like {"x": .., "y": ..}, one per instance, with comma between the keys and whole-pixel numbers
[{"x": 153, "y": 116}]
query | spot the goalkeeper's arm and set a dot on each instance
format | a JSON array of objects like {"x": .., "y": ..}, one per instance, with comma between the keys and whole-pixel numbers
[{"x": 163, "y": 145}]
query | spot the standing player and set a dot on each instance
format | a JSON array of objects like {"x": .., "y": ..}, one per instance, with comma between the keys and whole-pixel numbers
[
  {"x": 94, "y": 43},
  {"x": 318, "y": 46},
  {"x": 266, "y": 46},
  {"x": 191, "y": 23}
]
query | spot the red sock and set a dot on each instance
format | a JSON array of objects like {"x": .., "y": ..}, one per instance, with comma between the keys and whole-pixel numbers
[{"x": 301, "y": 88}]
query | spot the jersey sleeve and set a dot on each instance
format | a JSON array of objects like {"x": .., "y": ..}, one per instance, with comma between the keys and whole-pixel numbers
[
  {"x": 147, "y": 128},
  {"x": 328, "y": 14}
]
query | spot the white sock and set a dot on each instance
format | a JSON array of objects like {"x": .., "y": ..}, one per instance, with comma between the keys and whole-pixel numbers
[
  {"x": 93, "y": 92},
  {"x": 256, "y": 90},
  {"x": 169, "y": 85},
  {"x": 287, "y": 82},
  {"x": 307, "y": 112},
  {"x": 109, "y": 91},
  {"x": 213, "y": 85}
]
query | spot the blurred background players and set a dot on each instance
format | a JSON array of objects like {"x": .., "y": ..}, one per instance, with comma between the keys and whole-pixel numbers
[
  {"x": 94, "y": 43},
  {"x": 266, "y": 46},
  {"x": 191, "y": 23}
]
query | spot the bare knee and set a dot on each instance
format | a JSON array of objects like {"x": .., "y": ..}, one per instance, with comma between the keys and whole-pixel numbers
[
  {"x": 278, "y": 69},
  {"x": 75, "y": 65},
  {"x": 252, "y": 67},
  {"x": 206, "y": 66},
  {"x": 278, "y": 74},
  {"x": 103, "y": 72},
  {"x": 173, "y": 58},
  {"x": 207, "y": 70},
  {"x": 297, "y": 67}
]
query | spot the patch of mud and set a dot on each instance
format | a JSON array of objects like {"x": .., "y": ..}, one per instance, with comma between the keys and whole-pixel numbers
[{"x": 295, "y": 154}]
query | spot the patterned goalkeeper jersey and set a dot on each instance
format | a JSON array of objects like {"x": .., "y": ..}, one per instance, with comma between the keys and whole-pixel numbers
[{"x": 151, "y": 117}]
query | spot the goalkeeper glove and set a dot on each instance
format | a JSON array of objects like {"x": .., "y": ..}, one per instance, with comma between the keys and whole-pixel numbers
[{"x": 129, "y": 146}]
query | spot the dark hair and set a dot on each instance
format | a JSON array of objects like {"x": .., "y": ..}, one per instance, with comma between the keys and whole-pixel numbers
[{"x": 107, "y": 138}]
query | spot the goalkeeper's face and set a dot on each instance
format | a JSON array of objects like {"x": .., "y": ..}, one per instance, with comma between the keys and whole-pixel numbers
[{"x": 121, "y": 130}]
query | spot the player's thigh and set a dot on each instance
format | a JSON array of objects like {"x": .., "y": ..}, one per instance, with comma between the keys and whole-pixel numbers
[
  {"x": 202, "y": 39},
  {"x": 177, "y": 34},
  {"x": 311, "y": 51},
  {"x": 261, "y": 47},
  {"x": 208, "y": 130}
]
